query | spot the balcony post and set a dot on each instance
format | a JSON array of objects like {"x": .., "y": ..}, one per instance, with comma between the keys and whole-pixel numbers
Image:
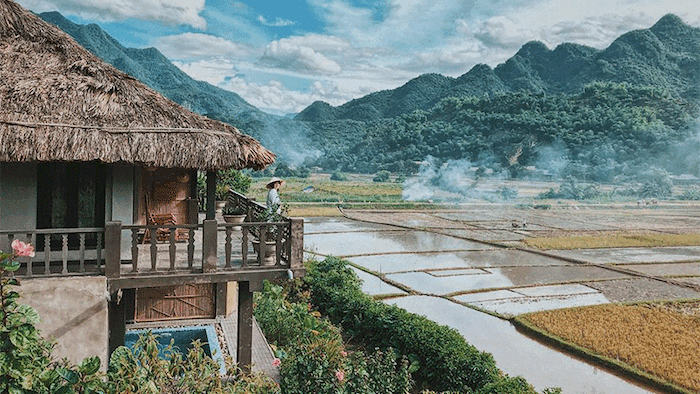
[
  {"x": 209, "y": 245},
  {"x": 245, "y": 327},
  {"x": 211, "y": 195},
  {"x": 113, "y": 253},
  {"x": 296, "y": 253}
]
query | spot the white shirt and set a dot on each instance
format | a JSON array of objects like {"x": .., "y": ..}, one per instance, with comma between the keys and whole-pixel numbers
[{"x": 273, "y": 198}]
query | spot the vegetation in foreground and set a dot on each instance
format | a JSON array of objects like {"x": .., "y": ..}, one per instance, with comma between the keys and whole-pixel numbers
[
  {"x": 27, "y": 365},
  {"x": 657, "y": 339}
]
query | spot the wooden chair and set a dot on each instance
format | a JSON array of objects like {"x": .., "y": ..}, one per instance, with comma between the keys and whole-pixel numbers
[
  {"x": 163, "y": 219},
  {"x": 156, "y": 219}
]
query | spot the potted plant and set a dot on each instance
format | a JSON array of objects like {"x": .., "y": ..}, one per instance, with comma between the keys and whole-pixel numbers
[
  {"x": 221, "y": 195},
  {"x": 234, "y": 214}
]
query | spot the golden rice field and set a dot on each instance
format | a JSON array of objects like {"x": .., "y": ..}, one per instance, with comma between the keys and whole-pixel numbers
[
  {"x": 620, "y": 240},
  {"x": 663, "y": 341},
  {"x": 331, "y": 191},
  {"x": 313, "y": 211}
]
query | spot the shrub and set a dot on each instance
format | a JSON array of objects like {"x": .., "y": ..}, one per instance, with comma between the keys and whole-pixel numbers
[
  {"x": 690, "y": 194},
  {"x": 288, "y": 324},
  {"x": 381, "y": 176},
  {"x": 338, "y": 176},
  {"x": 309, "y": 369},
  {"x": 226, "y": 180},
  {"x": 313, "y": 355},
  {"x": 26, "y": 362},
  {"x": 507, "y": 193}
]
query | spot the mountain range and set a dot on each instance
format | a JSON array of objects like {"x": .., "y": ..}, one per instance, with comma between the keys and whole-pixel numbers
[{"x": 666, "y": 56}]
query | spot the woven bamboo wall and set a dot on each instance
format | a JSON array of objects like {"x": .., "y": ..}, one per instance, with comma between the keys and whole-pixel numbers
[{"x": 175, "y": 302}]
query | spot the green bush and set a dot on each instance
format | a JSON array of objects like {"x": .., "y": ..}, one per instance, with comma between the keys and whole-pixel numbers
[
  {"x": 288, "y": 324},
  {"x": 338, "y": 176},
  {"x": 310, "y": 369},
  {"x": 226, "y": 180},
  {"x": 313, "y": 359},
  {"x": 26, "y": 362},
  {"x": 444, "y": 360},
  {"x": 692, "y": 193},
  {"x": 381, "y": 176}
]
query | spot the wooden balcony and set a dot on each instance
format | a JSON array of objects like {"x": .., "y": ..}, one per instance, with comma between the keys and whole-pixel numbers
[{"x": 211, "y": 252}]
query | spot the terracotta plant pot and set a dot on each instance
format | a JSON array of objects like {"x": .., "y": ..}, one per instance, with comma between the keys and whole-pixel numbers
[
  {"x": 237, "y": 219},
  {"x": 270, "y": 251}
]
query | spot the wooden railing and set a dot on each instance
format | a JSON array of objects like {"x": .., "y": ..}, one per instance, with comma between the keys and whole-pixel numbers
[
  {"x": 210, "y": 246},
  {"x": 124, "y": 251},
  {"x": 79, "y": 251}
]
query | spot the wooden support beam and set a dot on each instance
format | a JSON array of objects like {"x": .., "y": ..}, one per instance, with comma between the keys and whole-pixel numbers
[
  {"x": 113, "y": 253},
  {"x": 245, "y": 327},
  {"x": 211, "y": 195},
  {"x": 117, "y": 323},
  {"x": 221, "y": 298},
  {"x": 296, "y": 253},
  {"x": 209, "y": 246}
]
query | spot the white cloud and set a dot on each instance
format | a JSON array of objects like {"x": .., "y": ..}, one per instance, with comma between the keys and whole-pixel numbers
[
  {"x": 290, "y": 54},
  {"x": 213, "y": 70},
  {"x": 176, "y": 12},
  {"x": 198, "y": 45},
  {"x": 275, "y": 98},
  {"x": 276, "y": 23}
]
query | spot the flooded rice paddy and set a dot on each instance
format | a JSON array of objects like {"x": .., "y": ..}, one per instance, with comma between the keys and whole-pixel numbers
[{"x": 461, "y": 264}]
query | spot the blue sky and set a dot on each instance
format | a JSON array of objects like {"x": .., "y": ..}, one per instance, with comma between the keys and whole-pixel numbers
[{"x": 282, "y": 55}]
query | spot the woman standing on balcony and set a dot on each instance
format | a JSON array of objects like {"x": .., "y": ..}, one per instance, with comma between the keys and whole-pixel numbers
[{"x": 274, "y": 204}]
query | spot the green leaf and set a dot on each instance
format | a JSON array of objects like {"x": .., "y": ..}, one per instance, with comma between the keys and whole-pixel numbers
[
  {"x": 48, "y": 377},
  {"x": 64, "y": 390},
  {"x": 12, "y": 295},
  {"x": 29, "y": 313},
  {"x": 13, "y": 282},
  {"x": 11, "y": 266},
  {"x": 69, "y": 375},
  {"x": 90, "y": 365}
]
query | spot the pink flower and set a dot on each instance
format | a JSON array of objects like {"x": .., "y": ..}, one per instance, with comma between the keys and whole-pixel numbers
[
  {"x": 22, "y": 249},
  {"x": 343, "y": 353},
  {"x": 340, "y": 375},
  {"x": 276, "y": 362}
]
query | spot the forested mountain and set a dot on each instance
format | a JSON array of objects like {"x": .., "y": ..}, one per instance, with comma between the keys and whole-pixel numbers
[
  {"x": 605, "y": 113},
  {"x": 667, "y": 56},
  {"x": 605, "y": 131},
  {"x": 282, "y": 135}
]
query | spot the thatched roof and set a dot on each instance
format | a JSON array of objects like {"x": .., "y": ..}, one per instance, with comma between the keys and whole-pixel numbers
[{"x": 59, "y": 102}]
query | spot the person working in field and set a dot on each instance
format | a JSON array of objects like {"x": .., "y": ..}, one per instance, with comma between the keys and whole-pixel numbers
[{"x": 274, "y": 204}]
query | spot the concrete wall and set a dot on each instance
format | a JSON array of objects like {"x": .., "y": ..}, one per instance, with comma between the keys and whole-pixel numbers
[
  {"x": 73, "y": 311},
  {"x": 18, "y": 190}
]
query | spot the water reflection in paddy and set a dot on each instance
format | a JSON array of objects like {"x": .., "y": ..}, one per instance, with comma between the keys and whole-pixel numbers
[
  {"x": 354, "y": 243},
  {"x": 517, "y": 354},
  {"x": 501, "y": 277},
  {"x": 437, "y": 260}
]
